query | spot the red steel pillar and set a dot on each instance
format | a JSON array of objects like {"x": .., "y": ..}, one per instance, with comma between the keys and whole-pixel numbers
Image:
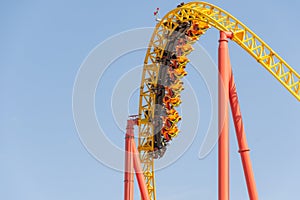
[
  {"x": 132, "y": 162},
  {"x": 223, "y": 145},
  {"x": 128, "y": 175},
  {"x": 242, "y": 141},
  {"x": 227, "y": 93}
]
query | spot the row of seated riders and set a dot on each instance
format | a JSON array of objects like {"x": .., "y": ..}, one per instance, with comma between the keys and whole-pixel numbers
[{"x": 176, "y": 63}]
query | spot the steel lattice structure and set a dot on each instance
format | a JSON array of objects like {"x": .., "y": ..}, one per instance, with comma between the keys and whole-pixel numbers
[{"x": 221, "y": 20}]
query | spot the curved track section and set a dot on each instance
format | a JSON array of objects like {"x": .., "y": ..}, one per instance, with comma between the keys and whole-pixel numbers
[{"x": 164, "y": 66}]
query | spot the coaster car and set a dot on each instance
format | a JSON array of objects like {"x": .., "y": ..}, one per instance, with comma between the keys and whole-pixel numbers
[
  {"x": 170, "y": 92},
  {"x": 200, "y": 25},
  {"x": 173, "y": 116},
  {"x": 198, "y": 28},
  {"x": 180, "y": 72},
  {"x": 168, "y": 105},
  {"x": 177, "y": 86},
  {"x": 184, "y": 49},
  {"x": 171, "y": 120},
  {"x": 179, "y": 62},
  {"x": 165, "y": 134},
  {"x": 168, "y": 123},
  {"x": 174, "y": 64},
  {"x": 175, "y": 101},
  {"x": 170, "y": 133},
  {"x": 158, "y": 153},
  {"x": 182, "y": 60}
]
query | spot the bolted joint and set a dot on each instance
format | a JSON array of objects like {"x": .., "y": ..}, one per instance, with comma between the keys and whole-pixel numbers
[
  {"x": 243, "y": 150},
  {"x": 127, "y": 136},
  {"x": 225, "y": 35}
]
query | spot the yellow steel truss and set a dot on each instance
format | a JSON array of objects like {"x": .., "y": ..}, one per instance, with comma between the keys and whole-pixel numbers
[{"x": 221, "y": 20}]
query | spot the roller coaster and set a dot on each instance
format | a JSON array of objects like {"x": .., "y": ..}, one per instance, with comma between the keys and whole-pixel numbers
[{"x": 161, "y": 85}]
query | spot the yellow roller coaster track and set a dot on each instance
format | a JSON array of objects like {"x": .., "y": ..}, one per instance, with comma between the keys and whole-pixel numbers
[{"x": 221, "y": 20}]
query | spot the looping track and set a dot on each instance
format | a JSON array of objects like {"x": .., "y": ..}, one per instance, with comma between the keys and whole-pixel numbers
[{"x": 221, "y": 20}]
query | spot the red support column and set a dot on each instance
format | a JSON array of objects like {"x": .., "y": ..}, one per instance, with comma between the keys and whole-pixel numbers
[
  {"x": 223, "y": 145},
  {"x": 227, "y": 93},
  {"x": 132, "y": 162},
  {"x": 128, "y": 176},
  {"x": 242, "y": 141}
]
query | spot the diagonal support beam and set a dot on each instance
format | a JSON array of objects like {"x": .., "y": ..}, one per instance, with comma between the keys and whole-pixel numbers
[{"x": 242, "y": 141}]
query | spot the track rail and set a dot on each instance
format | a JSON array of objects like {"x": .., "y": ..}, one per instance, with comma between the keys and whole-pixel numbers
[{"x": 221, "y": 20}]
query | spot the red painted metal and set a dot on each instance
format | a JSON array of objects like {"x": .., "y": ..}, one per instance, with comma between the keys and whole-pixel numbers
[
  {"x": 223, "y": 118},
  {"x": 128, "y": 174},
  {"x": 132, "y": 162},
  {"x": 139, "y": 173},
  {"x": 242, "y": 141},
  {"x": 228, "y": 93}
]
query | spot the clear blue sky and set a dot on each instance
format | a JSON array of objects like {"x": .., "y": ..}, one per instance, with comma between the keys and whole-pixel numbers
[{"x": 42, "y": 46}]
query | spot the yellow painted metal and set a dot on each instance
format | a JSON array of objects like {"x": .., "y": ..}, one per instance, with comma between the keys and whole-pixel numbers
[{"x": 221, "y": 20}]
